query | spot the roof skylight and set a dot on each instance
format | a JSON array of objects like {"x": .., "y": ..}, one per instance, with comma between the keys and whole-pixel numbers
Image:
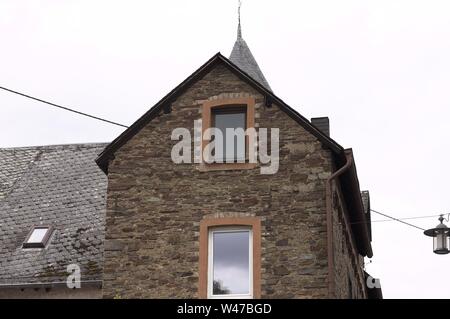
[{"x": 38, "y": 237}]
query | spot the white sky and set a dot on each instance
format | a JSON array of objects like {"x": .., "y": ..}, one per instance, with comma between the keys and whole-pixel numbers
[{"x": 379, "y": 69}]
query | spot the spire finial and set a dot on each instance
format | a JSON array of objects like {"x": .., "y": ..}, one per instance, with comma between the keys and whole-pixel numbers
[{"x": 239, "y": 33}]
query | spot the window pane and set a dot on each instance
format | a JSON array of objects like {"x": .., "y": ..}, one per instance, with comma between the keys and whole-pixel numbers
[
  {"x": 233, "y": 148},
  {"x": 231, "y": 263},
  {"x": 37, "y": 235}
]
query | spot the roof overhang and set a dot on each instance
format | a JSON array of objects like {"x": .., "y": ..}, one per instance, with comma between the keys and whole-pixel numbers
[
  {"x": 22, "y": 285},
  {"x": 360, "y": 222}
]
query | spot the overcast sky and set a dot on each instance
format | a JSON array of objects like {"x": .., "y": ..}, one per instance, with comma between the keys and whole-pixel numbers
[{"x": 379, "y": 69}]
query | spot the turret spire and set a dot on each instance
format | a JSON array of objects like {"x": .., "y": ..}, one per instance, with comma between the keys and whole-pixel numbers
[
  {"x": 243, "y": 57},
  {"x": 239, "y": 32}
]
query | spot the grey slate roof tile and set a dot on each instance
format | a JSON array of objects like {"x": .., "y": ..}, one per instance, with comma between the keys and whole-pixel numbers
[
  {"x": 51, "y": 185},
  {"x": 243, "y": 58}
]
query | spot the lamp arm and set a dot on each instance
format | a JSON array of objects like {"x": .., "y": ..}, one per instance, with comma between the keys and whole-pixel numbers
[{"x": 448, "y": 217}]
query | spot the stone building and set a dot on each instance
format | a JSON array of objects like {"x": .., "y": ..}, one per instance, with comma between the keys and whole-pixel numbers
[
  {"x": 216, "y": 226},
  {"x": 290, "y": 222}
]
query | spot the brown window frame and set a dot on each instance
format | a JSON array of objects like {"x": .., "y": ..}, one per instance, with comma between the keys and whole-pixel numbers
[
  {"x": 45, "y": 239},
  {"x": 223, "y": 105},
  {"x": 254, "y": 223}
]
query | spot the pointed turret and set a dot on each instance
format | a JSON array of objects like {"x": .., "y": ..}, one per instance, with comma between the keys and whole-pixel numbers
[{"x": 243, "y": 58}]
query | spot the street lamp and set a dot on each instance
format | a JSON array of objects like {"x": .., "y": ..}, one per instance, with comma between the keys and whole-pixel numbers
[{"x": 441, "y": 237}]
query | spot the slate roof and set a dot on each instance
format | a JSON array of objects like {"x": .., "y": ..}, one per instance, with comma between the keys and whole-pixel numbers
[
  {"x": 243, "y": 58},
  {"x": 51, "y": 185}
]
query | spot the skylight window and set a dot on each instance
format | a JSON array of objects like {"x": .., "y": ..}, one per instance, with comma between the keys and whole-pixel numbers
[{"x": 38, "y": 237}]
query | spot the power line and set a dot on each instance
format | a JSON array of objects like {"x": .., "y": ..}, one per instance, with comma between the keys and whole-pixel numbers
[
  {"x": 63, "y": 107},
  {"x": 393, "y": 219},
  {"x": 118, "y": 124},
  {"x": 406, "y": 218},
  {"x": 396, "y": 219}
]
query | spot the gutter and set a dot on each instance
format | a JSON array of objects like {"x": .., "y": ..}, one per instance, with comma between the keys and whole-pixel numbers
[
  {"x": 97, "y": 283},
  {"x": 329, "y": 208}
]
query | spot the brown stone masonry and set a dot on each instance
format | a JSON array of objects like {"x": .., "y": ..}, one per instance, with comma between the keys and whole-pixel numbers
[
  {"x": 349, "y": 280},
  {"x": 155, "y": 207}
]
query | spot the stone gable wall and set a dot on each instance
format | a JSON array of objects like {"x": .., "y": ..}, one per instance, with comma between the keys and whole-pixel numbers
[{"x": 154, "y": 206}]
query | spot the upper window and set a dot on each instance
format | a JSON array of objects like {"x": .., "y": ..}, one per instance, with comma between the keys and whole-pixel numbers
[
  {"x": 230, "y": 263},
  {"x": 228, "y": 146},
  {"x": 231, "y": 122},
  {"x": 38, "y": 237}
]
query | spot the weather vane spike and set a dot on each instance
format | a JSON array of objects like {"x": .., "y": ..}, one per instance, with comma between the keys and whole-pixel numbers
[{"x": 239, "y": 20}]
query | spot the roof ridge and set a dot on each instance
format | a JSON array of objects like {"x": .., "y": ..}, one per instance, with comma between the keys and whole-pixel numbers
[{"x": 26, "y": 171}]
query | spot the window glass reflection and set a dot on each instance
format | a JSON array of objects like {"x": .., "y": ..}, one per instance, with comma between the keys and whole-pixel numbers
[
  {"x": 233, "y": 147},
  {"x": 231, "y": 262},
  {"x": 37, "y": 235}
]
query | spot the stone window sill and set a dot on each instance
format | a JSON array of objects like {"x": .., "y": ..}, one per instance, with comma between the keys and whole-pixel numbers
[{"x": 225, "y": 166}]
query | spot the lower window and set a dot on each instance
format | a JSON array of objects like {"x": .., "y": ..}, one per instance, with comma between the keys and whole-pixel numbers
[{"x": 230, "y": 262}]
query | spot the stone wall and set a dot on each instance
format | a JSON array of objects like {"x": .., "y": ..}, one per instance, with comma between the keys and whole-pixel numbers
[
  {"x": 348, "y": 268},
  {"x": 154, "y": 206}
]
